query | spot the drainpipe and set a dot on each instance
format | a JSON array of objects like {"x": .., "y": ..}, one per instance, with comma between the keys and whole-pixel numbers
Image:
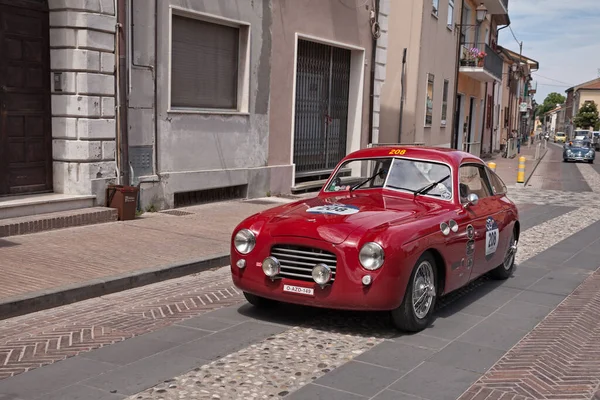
[
  {"x": 454, "y": 140},
  {"x": 493, "y": 119},
  {"x": 485, "y": 115},
  {"x": 373, "y": 57},
  {"x": 122, "y": 86},
  {"x": 402, "y": 95}
]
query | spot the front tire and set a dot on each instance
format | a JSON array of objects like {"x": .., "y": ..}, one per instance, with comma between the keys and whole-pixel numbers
[
  {"x": 505, "y": 270},
  {"x": 416, "y": 311},
  {"x": 259, "y": 302}
]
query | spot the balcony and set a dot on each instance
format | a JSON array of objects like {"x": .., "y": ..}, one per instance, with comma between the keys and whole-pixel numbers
[
  {"x": 495, "y": 7},
  {"x": 485, "y": 69}
]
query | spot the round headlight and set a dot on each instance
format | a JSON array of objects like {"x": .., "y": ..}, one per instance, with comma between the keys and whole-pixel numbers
[
  {"x": 244, "y": 241},
  {"x": 371, "y": 256},
  {"x": 271, "y": 267},
  {"x": 321, "y": 274}
]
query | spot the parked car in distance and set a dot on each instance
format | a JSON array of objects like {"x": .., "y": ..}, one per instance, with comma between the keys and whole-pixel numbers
[
  {"x": 579, "y": 150},
  {"x": 392, "y": 229},
  {"x": 560, "y": 137}
]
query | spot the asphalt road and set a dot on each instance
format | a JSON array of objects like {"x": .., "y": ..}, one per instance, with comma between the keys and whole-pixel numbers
[{"x": 196, "y": 338}]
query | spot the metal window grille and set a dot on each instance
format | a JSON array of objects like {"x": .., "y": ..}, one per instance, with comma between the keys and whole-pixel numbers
[{"x": 321, "y": 118}]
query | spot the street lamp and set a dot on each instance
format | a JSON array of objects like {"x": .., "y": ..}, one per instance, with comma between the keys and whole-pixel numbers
[{"x": 480, "y": 13}]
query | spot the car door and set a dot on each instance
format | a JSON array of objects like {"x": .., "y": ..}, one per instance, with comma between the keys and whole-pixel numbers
[{"x": 486, "y": 216}]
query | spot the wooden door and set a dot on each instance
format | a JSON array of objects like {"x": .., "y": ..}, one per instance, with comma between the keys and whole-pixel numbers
[{"x": 25, "y": 126}]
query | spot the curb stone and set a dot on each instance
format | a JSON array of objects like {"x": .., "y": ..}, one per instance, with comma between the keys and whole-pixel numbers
[
  {"x": 535, "y": 167},
  {"x": 55, "y": 297}
]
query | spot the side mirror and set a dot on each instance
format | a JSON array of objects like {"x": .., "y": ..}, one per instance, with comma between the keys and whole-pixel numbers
[{"x": 472, "y": 200}]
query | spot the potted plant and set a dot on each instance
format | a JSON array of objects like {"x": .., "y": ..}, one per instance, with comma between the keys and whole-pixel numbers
[{"x": 480, "y": 58}]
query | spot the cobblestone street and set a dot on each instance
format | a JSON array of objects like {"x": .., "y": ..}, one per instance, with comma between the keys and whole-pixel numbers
[{"x": 195, "y": 337}]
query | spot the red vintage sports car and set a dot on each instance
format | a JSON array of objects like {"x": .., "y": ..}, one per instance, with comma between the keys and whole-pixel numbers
[{"x": 392, "y": 229}]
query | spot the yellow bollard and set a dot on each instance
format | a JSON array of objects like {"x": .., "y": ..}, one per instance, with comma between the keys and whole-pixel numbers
[
  {"x": 521, "y": 173},
  {"x": 492, "y": 166}
]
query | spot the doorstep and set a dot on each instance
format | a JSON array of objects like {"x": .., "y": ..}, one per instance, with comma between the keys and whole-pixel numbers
[{"x": 20, "y": 215}]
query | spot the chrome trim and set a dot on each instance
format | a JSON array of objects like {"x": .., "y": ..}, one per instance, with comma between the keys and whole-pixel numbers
[{"x": 293, "y": 263}]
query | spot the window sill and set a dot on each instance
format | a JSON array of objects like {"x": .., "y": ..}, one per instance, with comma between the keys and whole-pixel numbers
[
  {"x": 206, "y": 111},
  {"x": 427, "y": 126},
  {"x": 435, "y": 15},
  {"x": 450, "y": 28}
]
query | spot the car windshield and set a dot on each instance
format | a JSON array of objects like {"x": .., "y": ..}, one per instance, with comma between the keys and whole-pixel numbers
[
  {"x": 393, "y": 173},
  {"x": 560, "y": 134},
  {"x": 580, "y": 143}
]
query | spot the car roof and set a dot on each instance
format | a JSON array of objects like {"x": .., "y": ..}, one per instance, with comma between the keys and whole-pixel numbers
[{"x": 439, "y": 154}]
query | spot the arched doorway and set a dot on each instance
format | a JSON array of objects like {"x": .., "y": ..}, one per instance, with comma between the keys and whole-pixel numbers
[{"x": 25, "y": 116}]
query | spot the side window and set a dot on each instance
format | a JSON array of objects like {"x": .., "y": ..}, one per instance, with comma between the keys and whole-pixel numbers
[
  {"x": 498, "y": 186},
  {"x": 473, "y": 179}
]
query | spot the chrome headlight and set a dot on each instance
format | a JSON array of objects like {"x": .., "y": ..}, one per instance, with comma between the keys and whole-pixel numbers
[
  {"x": 321, "y": 274},
  {"x": 590, "y": 153},
  {"x": 244, "y": 241},
  {"x": 271, "y": 267},
  {"x": 371, "y": 256},
  {"x": 569, "y": 153}
]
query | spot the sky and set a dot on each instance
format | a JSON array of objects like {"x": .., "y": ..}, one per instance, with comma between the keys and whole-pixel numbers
[{"x": 562, "y": 35}]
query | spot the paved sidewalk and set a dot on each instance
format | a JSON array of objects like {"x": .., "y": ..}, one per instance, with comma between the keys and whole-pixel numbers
[
  {"x": 53, "y": 268},
  {"x": 507, "y": 168}
]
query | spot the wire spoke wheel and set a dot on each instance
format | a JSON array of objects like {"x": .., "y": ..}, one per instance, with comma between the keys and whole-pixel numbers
[
  {"x": 423, "y": 289},
  {"x": 511, "y": 253}
]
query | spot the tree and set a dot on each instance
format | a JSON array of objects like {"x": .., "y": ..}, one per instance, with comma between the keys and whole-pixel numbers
[
  {"x": 550, "y": 102},
  {"x": 587, "y": 116}
]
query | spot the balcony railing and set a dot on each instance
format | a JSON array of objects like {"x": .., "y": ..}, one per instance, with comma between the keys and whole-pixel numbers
[{"x": 490, "y": 62}]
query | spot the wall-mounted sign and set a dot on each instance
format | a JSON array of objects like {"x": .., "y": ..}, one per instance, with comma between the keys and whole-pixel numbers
[{"x": 523, "y": 107}]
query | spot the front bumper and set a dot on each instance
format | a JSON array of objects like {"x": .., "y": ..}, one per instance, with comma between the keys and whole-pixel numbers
[
  {"x": 346, "y": 292},
  {"x": 579, "y": 158}
]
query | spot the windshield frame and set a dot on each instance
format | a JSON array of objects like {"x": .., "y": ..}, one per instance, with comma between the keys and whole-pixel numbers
[{"x": 393, "y": 157}]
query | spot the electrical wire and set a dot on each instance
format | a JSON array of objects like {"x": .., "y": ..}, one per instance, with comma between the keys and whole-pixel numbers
[
  {"x": 548, "y": 84},
  {"x": 551, "y": 79}
]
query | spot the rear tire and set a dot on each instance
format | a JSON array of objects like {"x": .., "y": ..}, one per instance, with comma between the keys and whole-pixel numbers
[
  {"x": 259, "y": 302},
  {"x": 505, "y": 270},
  {"x": 411, "y": 317}
]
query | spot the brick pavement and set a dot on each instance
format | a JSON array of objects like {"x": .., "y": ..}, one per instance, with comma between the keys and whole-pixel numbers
[
  {"x": 34, "y": 340},
  {"x": 559, "y": 359},
  {"x": 57, "y": 259}
]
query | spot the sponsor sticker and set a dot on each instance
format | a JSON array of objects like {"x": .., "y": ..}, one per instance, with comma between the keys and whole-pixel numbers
[
  {"x": 333, "y": 209},
  {"x": 299, "y": 289},
  {"x": 492, "y": 235}
]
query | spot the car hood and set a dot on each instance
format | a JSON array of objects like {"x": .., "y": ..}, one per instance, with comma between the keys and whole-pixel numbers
[
  {"x": 578, "y": 149},
  {"x": 333, "y": 219}
]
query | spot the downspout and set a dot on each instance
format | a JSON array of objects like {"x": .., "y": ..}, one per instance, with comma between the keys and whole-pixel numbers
[
  {"x": 122, "y": 96},
  {"x": 493, "y": 115},
  {"x": 457, "y": 59},
  {"x": 402, "y": 95},
  {"x": 375, "y": 33},
  {"x": 485, "y": 115}
]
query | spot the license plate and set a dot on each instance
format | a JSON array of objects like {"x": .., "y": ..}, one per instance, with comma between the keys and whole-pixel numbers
[{"x": 299, "y": 289}]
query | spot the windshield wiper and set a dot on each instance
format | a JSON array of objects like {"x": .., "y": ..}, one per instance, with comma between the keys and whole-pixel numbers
[
  {"x": 427, "y": 188},
  {"x": 366, "y": 180}
]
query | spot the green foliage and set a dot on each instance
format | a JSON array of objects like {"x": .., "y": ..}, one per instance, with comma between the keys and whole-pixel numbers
[
  {"x": 587, "y": 116},
  {"x": 151, "y": 208},
  {"x": 550, "y": 102}
]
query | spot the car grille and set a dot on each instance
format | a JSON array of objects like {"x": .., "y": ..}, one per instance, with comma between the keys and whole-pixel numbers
[{"x": 297, "y": 262}]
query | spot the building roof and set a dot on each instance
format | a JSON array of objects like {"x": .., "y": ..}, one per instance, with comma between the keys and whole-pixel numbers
[
  {"x": 515, "y": 57},
  {"x": 594, "y": 84}
]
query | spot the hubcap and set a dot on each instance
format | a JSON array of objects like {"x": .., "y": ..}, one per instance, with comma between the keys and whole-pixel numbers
[
  {"x": 423, "y": 290},
  {"x": 509, "y": 259}
]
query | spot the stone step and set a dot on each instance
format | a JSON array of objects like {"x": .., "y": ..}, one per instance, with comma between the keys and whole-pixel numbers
[
  {"x": 56, "y": 220},
  {"x": 22, "y": 206}
]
